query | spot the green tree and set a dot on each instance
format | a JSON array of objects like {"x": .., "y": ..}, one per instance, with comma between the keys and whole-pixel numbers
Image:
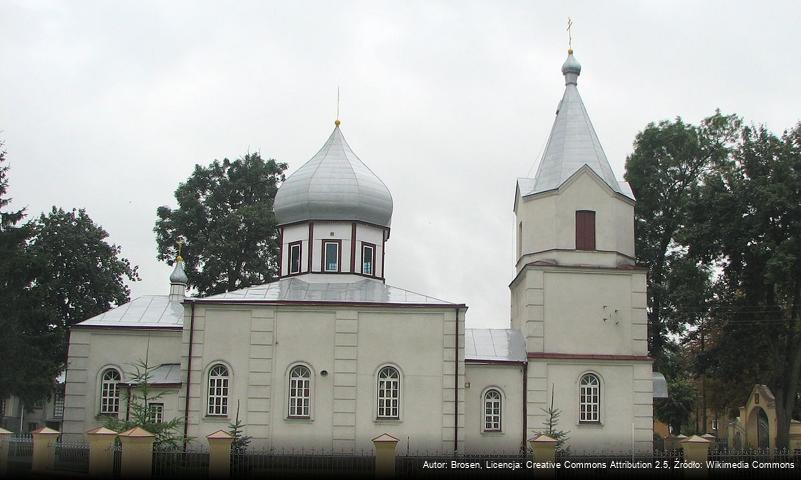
[
  {"x": 551, "y": 426},
  {"x": 82, "y": 274},
  {"x": 29, "y": 338},
  {"x": 225, "y": 216},
  {"x": 140, "y": 409},
  {"x": 747, "y": 220},
  {"x": 666, "y": 166}
]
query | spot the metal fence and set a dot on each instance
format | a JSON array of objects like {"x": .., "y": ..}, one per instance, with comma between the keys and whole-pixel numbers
[
  {"x": 181, "y": 464},
  {"x": 302, "y": 463},
  {"x": 20, "y": 454},
  {"x": 72, "y": 456}
]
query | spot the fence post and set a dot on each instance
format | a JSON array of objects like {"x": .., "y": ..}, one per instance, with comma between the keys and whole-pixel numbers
[
  {"x": 137, "y": 453},
  {"x": 4, "y": 436},
  {"x": 44, "y": 449},
  {"x": 696, "y": 449},
  {"x": 544, "y": 451},
  {"x": 101, "y": 453},
  {"x": 385, "y": 455},
  {"x": 220, "y": 454}
]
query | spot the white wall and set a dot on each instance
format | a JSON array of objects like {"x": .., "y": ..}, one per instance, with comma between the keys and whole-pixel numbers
[{"x": 509, "y": 380}]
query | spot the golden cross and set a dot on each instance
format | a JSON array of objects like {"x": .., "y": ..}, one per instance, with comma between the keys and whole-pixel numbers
[
  {"x": 180, "y": 243},
  {"x": 569, "y": 33}
]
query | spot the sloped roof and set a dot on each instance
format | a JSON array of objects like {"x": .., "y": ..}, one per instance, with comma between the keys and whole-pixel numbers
[
  {"x": 494, "y": 345},
  {"x": 165, "y": 374},
  {"x": 361, "y": 290},
  {"x": 572, "y": 143},
  {"x": 146, "y": 311},
  {"x": 334, "y": 185}
]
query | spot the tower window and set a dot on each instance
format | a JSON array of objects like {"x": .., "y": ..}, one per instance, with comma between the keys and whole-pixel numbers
[
  {"x": 585, "y": 230},
  {"x": 331, "y": 256},
  {"x": 519, "y": 239},
  {"x": 294, "y": 257},
  {"x": 368, "y": 258},
  {"x": 492, "y": 411}
]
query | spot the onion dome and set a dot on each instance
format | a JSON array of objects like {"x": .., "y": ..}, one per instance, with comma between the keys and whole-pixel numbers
[
  {"x": 571, "y": 69},
  {"x": 178, "y": 275},
  {"x": 334, "y": 185}
]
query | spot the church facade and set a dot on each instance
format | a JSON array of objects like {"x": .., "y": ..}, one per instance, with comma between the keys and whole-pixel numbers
[{"x": 329, "y": 355}]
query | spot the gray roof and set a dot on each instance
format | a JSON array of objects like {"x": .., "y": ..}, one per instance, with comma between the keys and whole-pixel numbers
[
  {"x": 145, "y": 311},
  {"x": 334, "y": 185},
  {"x": 494, "y": 345},
  {"x": 360, "y": 290},
  {"x": 572, "y": 144},
  {"x": 660, "y": 385},
  {"x": 165, "y": 374}
]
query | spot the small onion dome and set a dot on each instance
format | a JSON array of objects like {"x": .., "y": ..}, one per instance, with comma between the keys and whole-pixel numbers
[
  {"x": 334, "y": 185},
  {"x": 571, "y": 69},
  {"x": 178, "y": 275}
]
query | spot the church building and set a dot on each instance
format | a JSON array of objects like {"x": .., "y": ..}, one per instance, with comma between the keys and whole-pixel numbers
[{"x": 330, "y": 355}]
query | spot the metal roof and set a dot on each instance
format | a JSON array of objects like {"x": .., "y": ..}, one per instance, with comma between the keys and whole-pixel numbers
[
  {"x": 572, "y": 144},
  {"x": 359, "y": 290},
  {"x": 660, "y": 385},
  {"x": 494, "y": 345},
  {"x": 145, "y": 311},
  {"x": 334, "y": 185}
]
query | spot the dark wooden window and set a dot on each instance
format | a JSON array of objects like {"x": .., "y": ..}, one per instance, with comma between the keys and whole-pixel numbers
[
  {"x": 585, "y": 230},
  {"x": 294, "y": 257},
  {"x": 331, "y": 255},
  {"x": 368, "y": 258}
]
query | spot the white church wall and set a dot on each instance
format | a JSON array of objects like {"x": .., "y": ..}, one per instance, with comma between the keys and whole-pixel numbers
[
  {"x": 508, "y": 379},
  {"x": 260, "y": 344},
  {"x": 93, "y": 350},
  {"x": 625, "y": 403}
]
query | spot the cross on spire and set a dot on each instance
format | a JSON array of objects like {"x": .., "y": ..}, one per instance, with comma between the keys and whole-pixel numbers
[{"x": 570, "y": 34}]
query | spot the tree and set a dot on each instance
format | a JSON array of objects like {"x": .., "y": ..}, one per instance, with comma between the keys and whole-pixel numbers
[
  {"x": 236, "y": 429},
  {"x": 82, "y": 274},
  {"x": 551, "y": 425},
  {"x": 747, "y": 221},
  {"x": 666, "y": 166},
  {"x": 27, "y": 368},
  {"x": 140, "y": 410},
  {"x": 225, "y": 217}
]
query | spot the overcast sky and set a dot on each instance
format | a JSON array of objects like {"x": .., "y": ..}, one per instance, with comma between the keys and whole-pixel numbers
[{"x": 108, "y": 105}]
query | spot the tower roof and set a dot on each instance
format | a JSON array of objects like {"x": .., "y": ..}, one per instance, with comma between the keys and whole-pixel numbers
[
  {"x": 334, "y": 185},
  {"x": 573, "y": 142}
]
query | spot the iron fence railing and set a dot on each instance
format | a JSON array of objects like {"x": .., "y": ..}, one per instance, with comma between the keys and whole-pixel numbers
[
  {"x": 72, "y": 456},
  {"x": 180, "y": 463},
  {"x": 301, "y": 462},
  {"x": 20, "y": 446}
]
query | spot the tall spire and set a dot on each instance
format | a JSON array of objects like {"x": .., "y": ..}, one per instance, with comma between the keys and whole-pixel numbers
[{"x": 573, "y": 142}]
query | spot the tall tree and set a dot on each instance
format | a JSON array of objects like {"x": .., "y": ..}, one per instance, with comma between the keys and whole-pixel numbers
[
  {"x": 747, "y": 220},
  {"x": 225, "y": 217},
  {"x": 663, "y": 171},
  {"x": 83, "y": 275},
  {"x": 29, "y": 338}
]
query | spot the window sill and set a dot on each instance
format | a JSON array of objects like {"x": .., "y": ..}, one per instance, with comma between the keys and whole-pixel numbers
[
  {"x": 388, "y": 421},
  {"x": 492, "y": 433},
  {"x": 216, "y": 418},
  {"x": 299, "y": 419},
  {"x": 597, "y": 424}
]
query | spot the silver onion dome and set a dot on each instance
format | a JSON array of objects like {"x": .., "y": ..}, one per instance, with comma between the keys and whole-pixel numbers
[{"x": 334, "y": 185}]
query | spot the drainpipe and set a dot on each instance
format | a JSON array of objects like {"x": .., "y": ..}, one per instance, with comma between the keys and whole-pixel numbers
[
  {"x": 524, "y": 369},
  {"x": 189, "y": 373},
  {"x": 456, "y": 385}
]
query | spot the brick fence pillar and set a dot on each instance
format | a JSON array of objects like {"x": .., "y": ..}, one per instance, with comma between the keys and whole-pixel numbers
[
  {"x": 696, "y": 449},
  {"x": 385, "y": 455},
  {"x": 44, "y": 449},
  {"x": 137, "y": 453},
  {"x": 220, "y": 454},
  {"x": 4, "y": 438},
  {"x": 101, "y": 452},
  {"x": 544, "y": 450}
]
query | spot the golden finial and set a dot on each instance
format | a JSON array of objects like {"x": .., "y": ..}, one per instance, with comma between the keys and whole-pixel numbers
[
  {"x": 180, "y": 243},
  {"x": 337, "y": 122},
  {"x": 569, "y": 36}
]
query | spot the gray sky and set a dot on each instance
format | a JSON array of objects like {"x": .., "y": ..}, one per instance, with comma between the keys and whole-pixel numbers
[{"x": 108, "y": 105}]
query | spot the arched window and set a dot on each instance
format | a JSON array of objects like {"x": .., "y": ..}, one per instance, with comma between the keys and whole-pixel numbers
[
  {"x": 589, "y": 399},
  {"x": 218, "y": 390},
  {"x": 110, "y": 391},
  {"x": 389, "y": 393},
  {"x": 300, "y": 392},
  {"x": 492, "y": 411}
]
